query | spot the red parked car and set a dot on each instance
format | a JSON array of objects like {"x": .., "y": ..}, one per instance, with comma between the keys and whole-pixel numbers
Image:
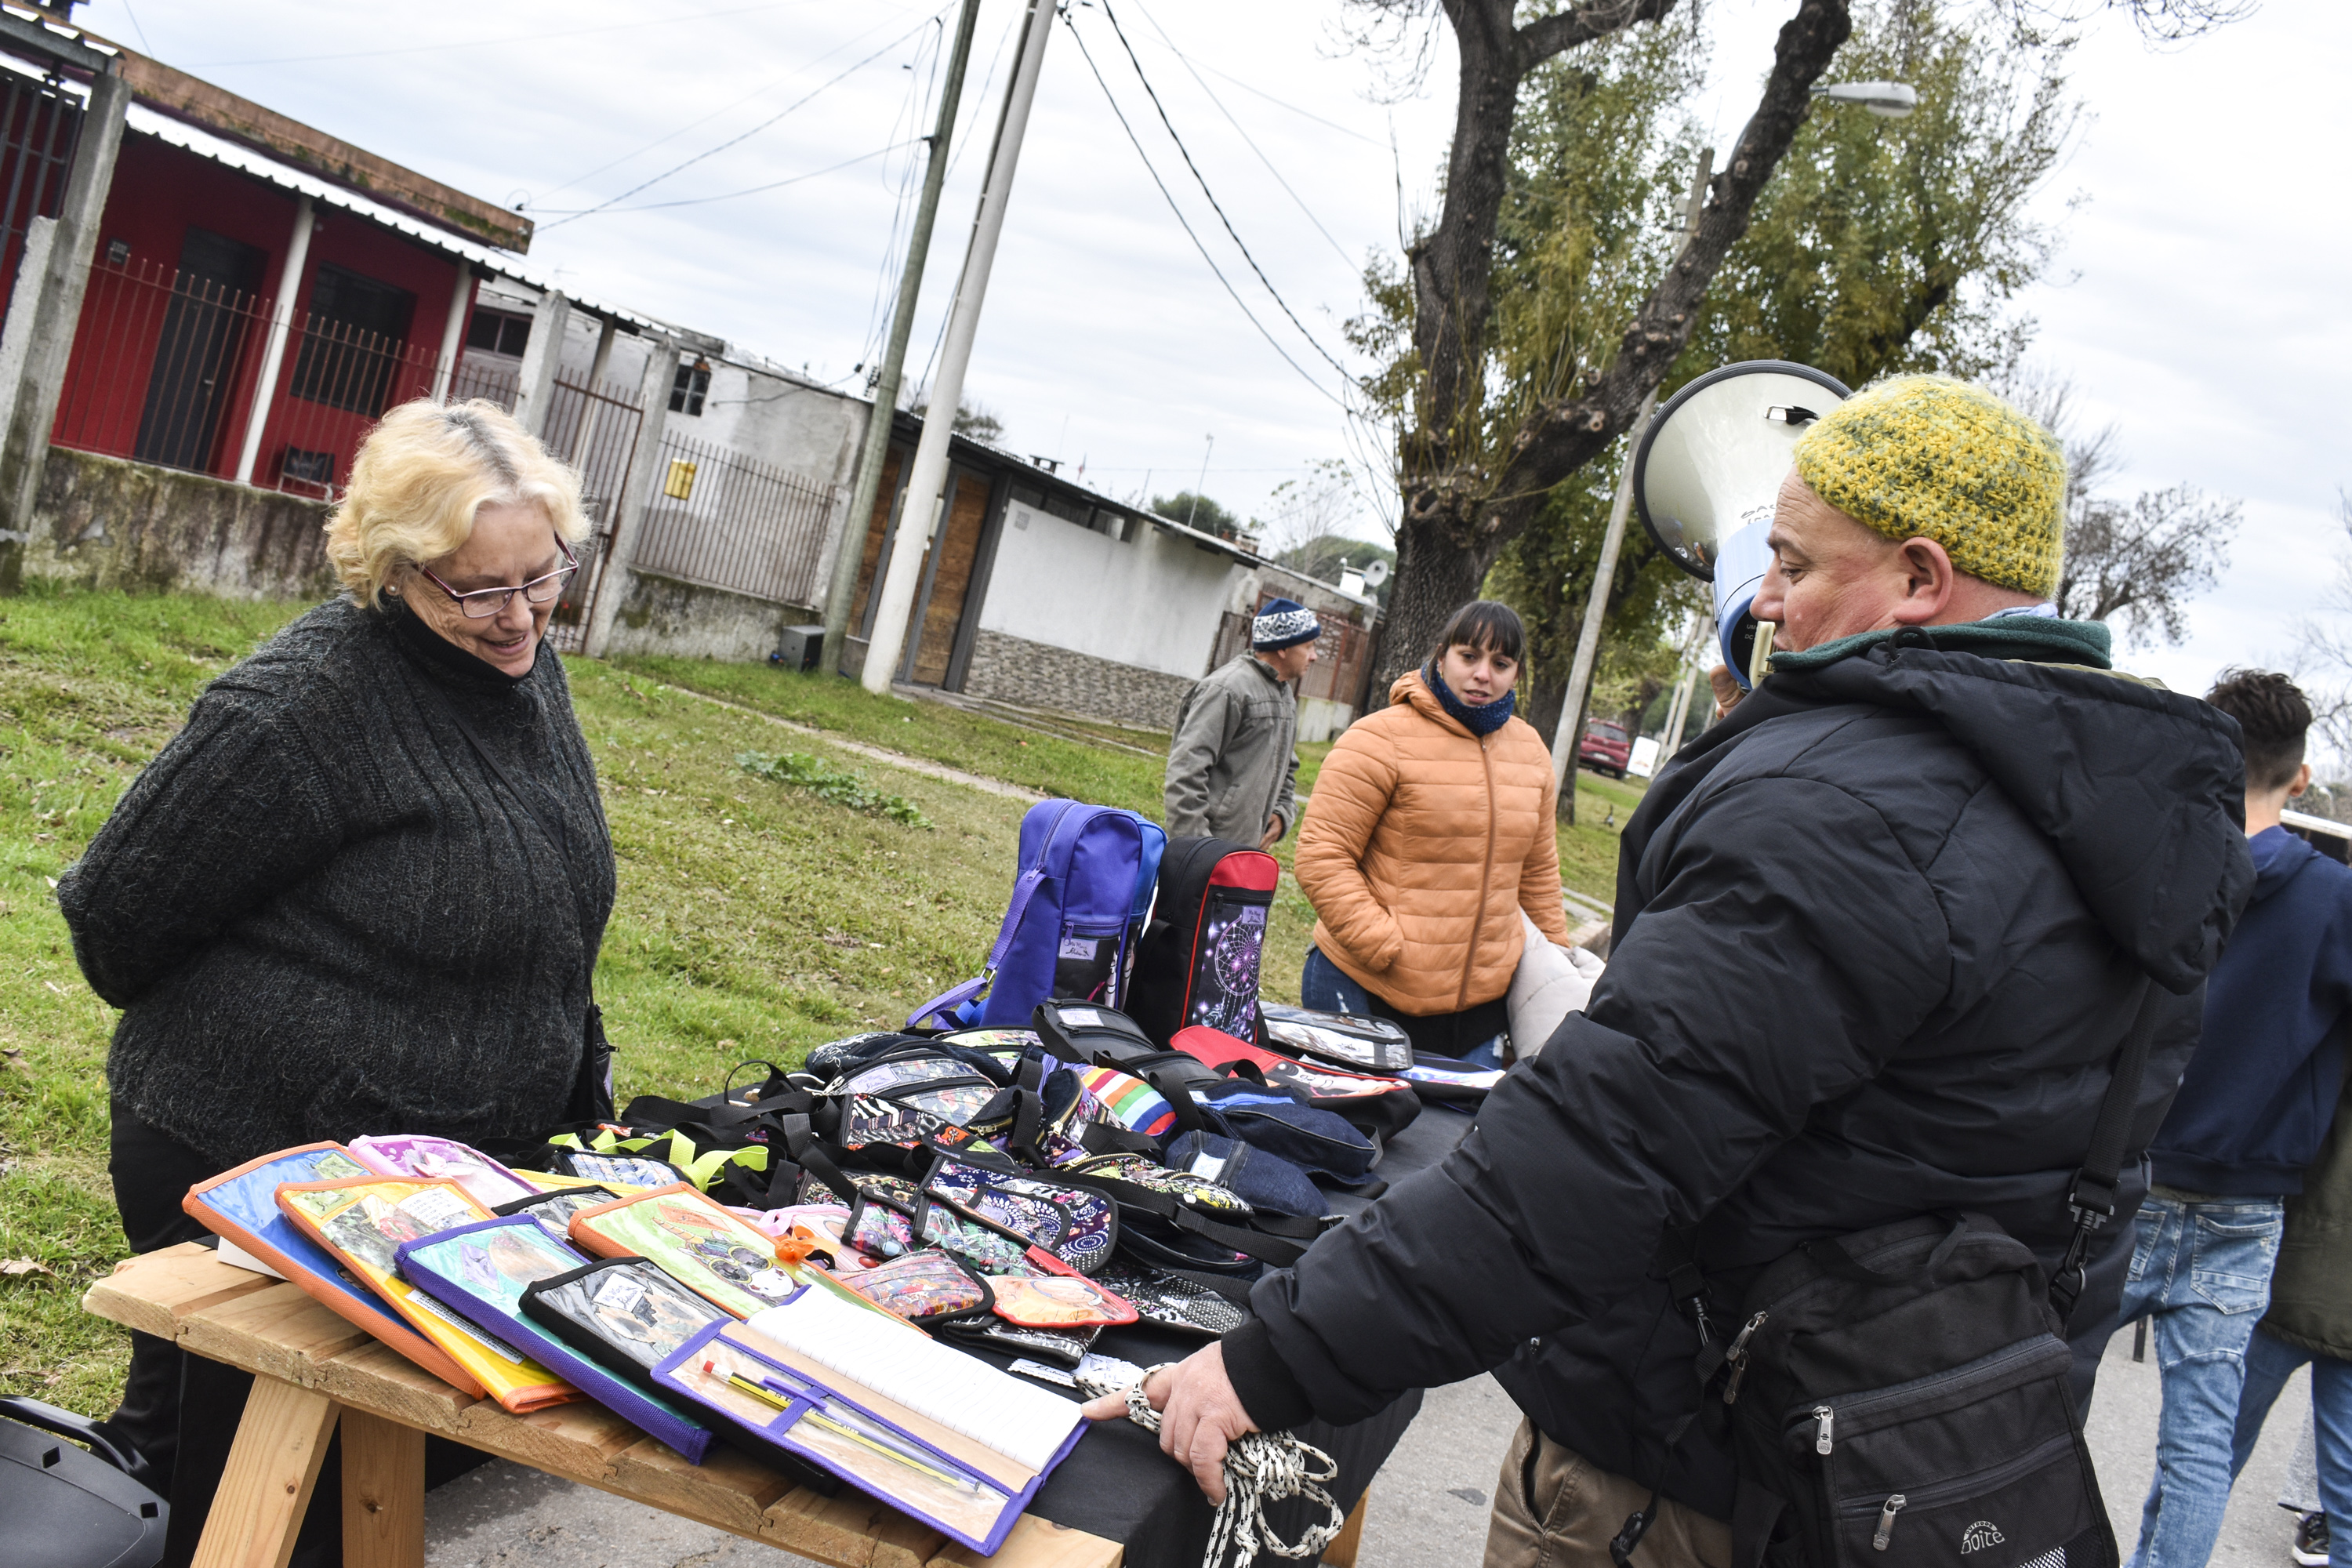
[{"x": 1606, "y": 748}]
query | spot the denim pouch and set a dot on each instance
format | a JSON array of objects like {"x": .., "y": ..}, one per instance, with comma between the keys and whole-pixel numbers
[
  {"x": 1268, "y": 1181},
  {"x": 1317, "y": 1142}
]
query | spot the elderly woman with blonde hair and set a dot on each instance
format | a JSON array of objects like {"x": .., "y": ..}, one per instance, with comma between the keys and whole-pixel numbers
[{"x": 362, "y": 890}]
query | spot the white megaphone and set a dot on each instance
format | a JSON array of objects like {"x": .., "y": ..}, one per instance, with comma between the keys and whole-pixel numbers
[{"x": 1706, "y": 474}]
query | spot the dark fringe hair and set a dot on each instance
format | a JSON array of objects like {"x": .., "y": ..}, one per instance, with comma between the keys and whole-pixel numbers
[
  {"x": 1486, "y": 624},
  {"x": 2273, "y": 717}
]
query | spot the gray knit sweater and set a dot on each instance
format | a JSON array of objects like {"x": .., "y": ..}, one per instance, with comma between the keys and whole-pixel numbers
[{"x": 323, "y": 915}]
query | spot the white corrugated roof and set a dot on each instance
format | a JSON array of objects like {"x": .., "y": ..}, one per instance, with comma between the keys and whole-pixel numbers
[{"x": 288, "y": 177}]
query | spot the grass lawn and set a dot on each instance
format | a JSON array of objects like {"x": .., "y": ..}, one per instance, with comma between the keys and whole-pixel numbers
[
  {"x": 753, "y": 919},
  {"x": 929, "y": 730}
]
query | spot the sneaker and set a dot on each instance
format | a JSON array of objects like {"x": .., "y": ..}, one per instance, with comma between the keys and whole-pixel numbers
[{"x": 2311, "y": 1540}]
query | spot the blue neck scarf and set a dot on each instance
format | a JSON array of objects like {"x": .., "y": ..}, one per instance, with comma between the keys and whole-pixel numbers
[{"x": 1477, "y": 721}]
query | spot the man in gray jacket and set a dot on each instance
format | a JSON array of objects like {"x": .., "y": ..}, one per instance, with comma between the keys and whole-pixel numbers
[{"x": 1230, "y": 766}]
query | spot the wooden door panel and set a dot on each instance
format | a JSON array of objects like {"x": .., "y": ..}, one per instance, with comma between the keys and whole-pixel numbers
[
  {"x": 876, "y": 526},
  {"x": 958, "y": 546}
]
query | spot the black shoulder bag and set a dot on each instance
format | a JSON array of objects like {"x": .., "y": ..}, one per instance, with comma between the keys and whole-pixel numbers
[
  {"x": 1902, "y": 1397},
  {"x": 591, "y": 1087}
]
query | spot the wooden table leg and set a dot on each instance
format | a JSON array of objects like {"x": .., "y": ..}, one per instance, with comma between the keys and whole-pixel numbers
[
  {"x": 383, "y": 1493},
  {"x": 272, "y": 1466},
  {"x": 1340, "y": 1554}
]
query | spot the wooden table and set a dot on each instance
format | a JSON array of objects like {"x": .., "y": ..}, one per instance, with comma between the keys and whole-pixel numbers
[{"x": 313, "y": 1369}]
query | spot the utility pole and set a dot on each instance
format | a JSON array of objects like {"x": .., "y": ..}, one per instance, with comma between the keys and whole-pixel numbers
[
  {"x": 1571, "y": 733},
  {"x": 843, "y": 590},
  {"x": 1195, "y": 509},
  {"x": 895, "y": 594}
]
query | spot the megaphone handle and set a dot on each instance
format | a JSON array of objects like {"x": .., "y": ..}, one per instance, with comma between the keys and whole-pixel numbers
[{"x": 1759, "y": 658}]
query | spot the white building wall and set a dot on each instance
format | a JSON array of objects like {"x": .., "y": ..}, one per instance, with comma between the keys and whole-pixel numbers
[{"x": 1152, "y": 602}]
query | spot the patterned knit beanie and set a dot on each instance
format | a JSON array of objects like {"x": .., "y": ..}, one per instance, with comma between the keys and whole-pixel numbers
[
  {"x": 1283, "y": 622},
  {"x": 1927, "y": 456}
]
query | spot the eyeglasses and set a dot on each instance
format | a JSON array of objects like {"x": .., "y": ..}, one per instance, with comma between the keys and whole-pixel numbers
[{"x": 483, "y": 603}]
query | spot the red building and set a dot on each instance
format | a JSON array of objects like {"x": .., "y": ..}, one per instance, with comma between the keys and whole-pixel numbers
[{"x": 259, "y": 292}]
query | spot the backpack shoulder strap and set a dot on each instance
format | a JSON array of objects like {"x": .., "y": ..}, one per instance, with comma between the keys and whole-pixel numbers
[{"x": 2093, "y": 1196}]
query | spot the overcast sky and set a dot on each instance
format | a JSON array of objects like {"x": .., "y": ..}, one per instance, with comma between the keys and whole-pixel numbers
[{"x": 2197, "y": 301}]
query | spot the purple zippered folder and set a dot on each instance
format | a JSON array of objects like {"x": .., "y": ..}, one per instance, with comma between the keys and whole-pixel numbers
[
  {"x": 802, "y": 1395},
  {"x": 479, "y": 1274}
]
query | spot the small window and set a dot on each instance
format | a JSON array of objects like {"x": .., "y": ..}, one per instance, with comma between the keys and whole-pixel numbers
[
  {"x": 1033, "y": 498},
  {"x": 496, "y": 332},
  {"x": 1056, "y": 507},
  {"x": 687, "y": 392},
  {"x": 351, "y": 342}
]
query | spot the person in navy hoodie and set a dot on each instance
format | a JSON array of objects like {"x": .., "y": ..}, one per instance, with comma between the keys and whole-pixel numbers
[{"x": 2252, "y": 1110}]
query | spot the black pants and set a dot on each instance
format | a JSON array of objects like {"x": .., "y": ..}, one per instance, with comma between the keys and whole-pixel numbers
[{"x": 181, "y": 1411}]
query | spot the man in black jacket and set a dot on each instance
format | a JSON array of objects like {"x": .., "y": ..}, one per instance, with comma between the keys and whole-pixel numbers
[{"x": 1879, "y": 935}]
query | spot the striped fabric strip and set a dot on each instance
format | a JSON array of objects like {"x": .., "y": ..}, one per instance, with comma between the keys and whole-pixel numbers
[{"x": 1135, "y": 1103}]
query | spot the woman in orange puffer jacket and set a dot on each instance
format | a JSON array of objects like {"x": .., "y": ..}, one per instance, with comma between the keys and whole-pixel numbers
[{"x": 1429, "y": 829}]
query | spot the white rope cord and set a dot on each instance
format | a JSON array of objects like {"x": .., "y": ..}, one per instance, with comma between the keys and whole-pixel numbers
[{"x": 1260, "y": 1468}]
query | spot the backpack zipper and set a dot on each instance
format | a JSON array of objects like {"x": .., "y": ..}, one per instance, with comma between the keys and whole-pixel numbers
[
  {"x": 1893, "y": 1506},
  {"x": 1824, "y": 1426},
  {"x": 1737, "y": 1356}
]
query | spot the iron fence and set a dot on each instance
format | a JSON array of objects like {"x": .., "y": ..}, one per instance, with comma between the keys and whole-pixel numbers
[
  {"x": 166, "y": 363},
  {"x": 724, "y": 520},
  {"x": 39, "y": 127}
]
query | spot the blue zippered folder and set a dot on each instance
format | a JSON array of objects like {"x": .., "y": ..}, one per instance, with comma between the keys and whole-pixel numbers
[{"x": 480, "y": 1271}]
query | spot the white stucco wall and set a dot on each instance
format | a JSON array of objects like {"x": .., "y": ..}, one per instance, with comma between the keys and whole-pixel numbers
[{"x": 1152, "y": 602}]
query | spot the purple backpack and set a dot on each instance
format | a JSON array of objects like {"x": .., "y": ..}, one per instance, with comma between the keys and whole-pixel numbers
[{"x": 1084, "y": 891}]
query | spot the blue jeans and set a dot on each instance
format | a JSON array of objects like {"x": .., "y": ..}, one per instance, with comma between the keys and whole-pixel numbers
[
  {"x": 2269, "y": 1364},
  {"x": 1325, "y": 986},
  {"x": 2202, "y": 1272}
]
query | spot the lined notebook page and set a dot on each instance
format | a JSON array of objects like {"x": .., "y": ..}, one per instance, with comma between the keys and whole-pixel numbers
[{"x": 961, "y": 1393}]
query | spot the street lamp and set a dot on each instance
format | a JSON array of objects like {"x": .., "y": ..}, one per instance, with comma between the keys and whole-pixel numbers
[{"x": 1888, "y": 99}]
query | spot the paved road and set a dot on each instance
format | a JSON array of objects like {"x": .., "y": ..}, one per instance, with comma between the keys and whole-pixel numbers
[{"x": 1428, "y": 1508}]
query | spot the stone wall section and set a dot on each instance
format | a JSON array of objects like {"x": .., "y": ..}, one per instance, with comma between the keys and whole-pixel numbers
[
  {"x": 665, "y": 616},
  {"x": 102, "y": 523},
  {"x": 1014, "y": 670}
]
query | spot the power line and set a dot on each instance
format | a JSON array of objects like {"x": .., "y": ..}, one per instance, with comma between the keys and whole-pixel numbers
[
  {"x": 1244, "y": 135},
  {"x": 850, "y": 42},
  {"x": 486, "y": 43},
  {"x": 735, "y": 141},
  {"x": 1202, "y": 180},
  {"x": 1186, "y": 224},
  {"x": 1278, "y": 103},
  {"x": 754, "y": 190}
]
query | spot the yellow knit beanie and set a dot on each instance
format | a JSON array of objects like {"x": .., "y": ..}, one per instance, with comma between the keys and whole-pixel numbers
[{"x": 1924, "y": 457}]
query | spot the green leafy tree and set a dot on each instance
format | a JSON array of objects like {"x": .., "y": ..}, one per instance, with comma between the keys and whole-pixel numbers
[
  {"x": 1199, "y": 511},
  {"x": 1881, "y": 246}
]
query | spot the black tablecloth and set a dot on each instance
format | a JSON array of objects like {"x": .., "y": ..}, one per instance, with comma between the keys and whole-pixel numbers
[{"x": 1119, "y": 1485}]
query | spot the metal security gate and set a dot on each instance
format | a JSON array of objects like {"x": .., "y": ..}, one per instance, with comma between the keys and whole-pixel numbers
[
  {"x": 39, "y": 127},
  {"x": 595, "y": 430}
]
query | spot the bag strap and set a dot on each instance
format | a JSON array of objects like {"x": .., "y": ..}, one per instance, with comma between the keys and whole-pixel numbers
[
  {"x": 940, "y": 1007},
  {"x": 2093, "y": 1196}
]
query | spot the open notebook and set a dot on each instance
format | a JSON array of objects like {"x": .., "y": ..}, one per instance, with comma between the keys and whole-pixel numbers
[{"x": 938, "y": 1434}]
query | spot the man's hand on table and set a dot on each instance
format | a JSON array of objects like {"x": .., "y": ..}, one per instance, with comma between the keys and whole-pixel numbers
[{"x": 1200, "y": 1415}]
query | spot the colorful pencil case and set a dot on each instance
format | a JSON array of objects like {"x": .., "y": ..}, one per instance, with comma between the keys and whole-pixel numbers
[
  {"x": 486, "y": 1181},
  {"x": 482, "y": 1271},
  {"x": 363, "y": 1221},
  {"x": 930, "y": 1287},
  {"x": 1077, "y": 1224},
  {"x": 240, "y": 1206}
]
